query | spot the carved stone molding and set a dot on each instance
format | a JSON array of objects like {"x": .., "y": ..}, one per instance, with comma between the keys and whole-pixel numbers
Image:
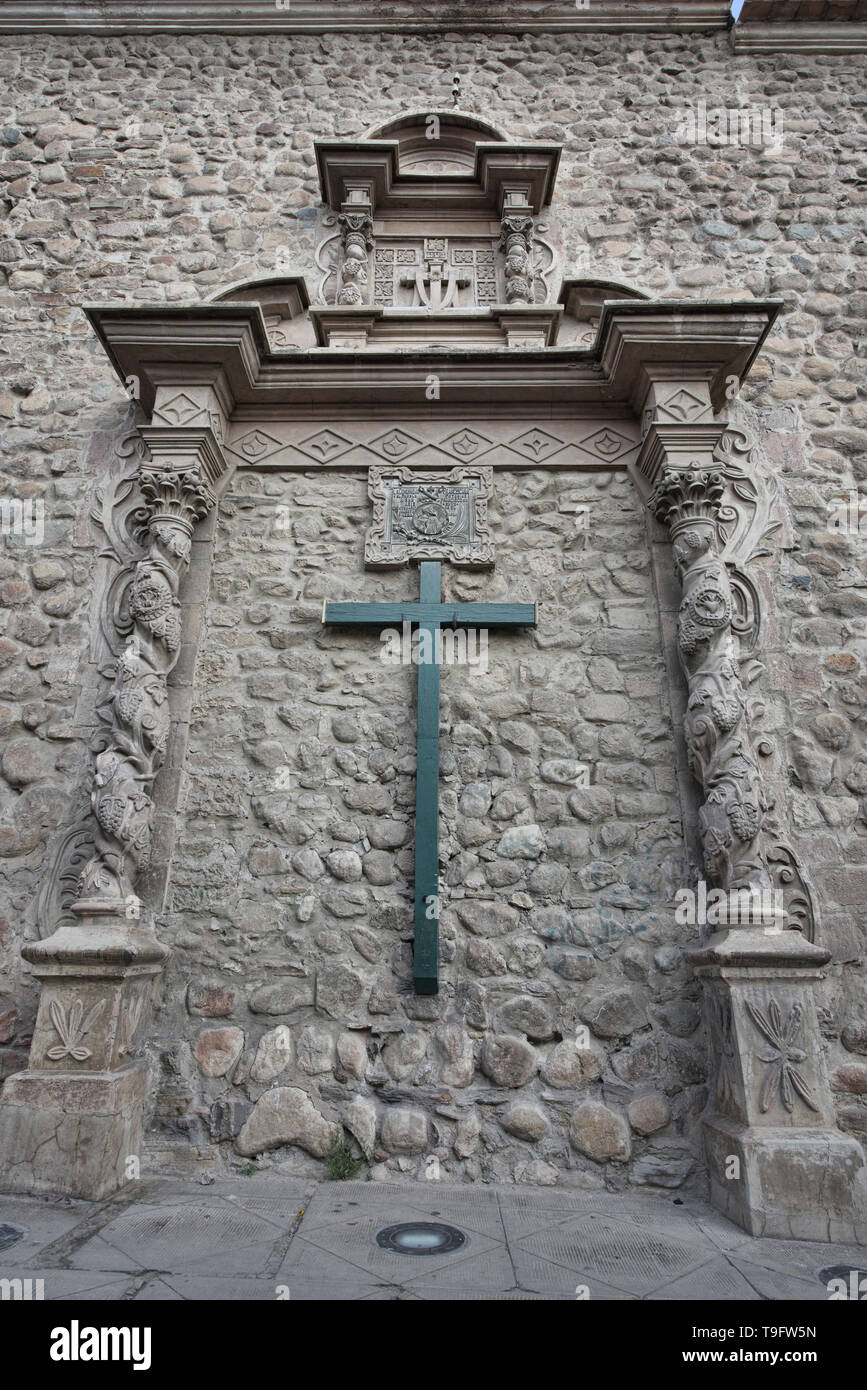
[{"x": 358, "y": 16}]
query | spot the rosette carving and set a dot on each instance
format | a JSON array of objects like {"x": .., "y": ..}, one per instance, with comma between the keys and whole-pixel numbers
[{"x": 138, "y": 709}]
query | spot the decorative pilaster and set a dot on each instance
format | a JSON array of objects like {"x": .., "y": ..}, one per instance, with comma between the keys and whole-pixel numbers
[
  {"x": 356, "y": 228},
  {"x": 72, "y": 1122},
  {"x": 778, "y": 1164},
  {"x": 517, "y": 228},
  {"x": 716, "y": 726},
  {"x": 125, "y": 771}
]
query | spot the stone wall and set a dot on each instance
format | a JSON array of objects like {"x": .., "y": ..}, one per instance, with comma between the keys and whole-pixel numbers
[
  {"x": 163, "y": 168},
  {"x": 292, "y": 883}
]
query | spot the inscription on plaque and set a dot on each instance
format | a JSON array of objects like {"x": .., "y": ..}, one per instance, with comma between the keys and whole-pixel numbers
[
  {"x": 429, "y": 515},
  {"x": 432, "y": 512}
]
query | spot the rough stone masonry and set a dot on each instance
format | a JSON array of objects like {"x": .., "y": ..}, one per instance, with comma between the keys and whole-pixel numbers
[{"x": 567, "y": 1043}]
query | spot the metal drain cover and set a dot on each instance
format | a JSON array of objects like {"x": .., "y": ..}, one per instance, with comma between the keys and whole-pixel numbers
[
  {"x": 9, "y": 1234},
  {"x": 851, "y": 1274},
  {"x": 420, "y": 1238}
]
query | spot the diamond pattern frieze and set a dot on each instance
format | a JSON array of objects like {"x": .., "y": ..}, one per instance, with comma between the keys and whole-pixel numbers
[
  {"x": 466, "y": 444},
  {"x": 256, "y": 445},
  {"x": 395, "y": 445},
  {"x": 537, "y": 445},
  {"x": 606, "y": 444},
  {"x": 324, "y": 446}
]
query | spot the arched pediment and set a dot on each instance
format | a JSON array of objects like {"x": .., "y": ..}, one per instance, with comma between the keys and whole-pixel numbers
[{"x": 436, "y": 142}]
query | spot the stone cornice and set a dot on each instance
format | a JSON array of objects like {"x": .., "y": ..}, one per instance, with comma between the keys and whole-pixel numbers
[
  {"x": 374, "y": 164},
  {"x": 843, "y": 37},
  {"x": 353, "y": 16},
  {"x": 225, "y": 346}
]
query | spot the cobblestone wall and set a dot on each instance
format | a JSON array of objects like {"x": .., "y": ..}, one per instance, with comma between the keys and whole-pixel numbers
[
  {"x": 161, "y": 168},
  {"x": 294, "y": 919}
]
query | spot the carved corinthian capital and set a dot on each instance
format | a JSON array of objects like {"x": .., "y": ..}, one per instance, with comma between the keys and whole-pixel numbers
[
  {"x": 121, "y": 797},
  {"x": 716, "y": 724}
]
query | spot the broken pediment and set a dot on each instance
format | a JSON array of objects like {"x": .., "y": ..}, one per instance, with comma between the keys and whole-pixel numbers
[
  {"x": 284, "y": 302},
  {"x": 582, "y": 302}
]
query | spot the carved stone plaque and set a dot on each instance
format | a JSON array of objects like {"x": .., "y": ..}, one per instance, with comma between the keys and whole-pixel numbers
[{"x": 429, "y": 514}]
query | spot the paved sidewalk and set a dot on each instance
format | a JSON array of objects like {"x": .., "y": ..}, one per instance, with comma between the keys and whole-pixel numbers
[{"x": 266, "y": 1238}]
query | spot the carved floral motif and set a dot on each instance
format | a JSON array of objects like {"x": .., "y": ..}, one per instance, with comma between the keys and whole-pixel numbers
[
  {"x": 72, "y": 1027},
  {"x": 782, "y": 1079}
]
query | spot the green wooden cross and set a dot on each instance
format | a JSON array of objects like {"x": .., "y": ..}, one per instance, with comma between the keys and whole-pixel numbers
[{"x": 428, "y": 615}]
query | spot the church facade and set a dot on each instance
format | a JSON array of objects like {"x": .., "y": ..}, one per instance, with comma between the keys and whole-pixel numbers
[{"x": 434, "y": 591}]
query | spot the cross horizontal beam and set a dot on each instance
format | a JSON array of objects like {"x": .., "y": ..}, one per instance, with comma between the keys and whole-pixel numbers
[{"x": 444, "y": 614}]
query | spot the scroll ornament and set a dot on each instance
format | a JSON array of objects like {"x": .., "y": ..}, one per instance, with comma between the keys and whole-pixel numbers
[{"x": 139, "y": 713}]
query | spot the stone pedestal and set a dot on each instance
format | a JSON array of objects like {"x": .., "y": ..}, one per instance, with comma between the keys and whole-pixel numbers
[
  {"x": 778, "y": 1164},
  {"x": 72, "y": 1122},
  {"x": 72, "y": 1132}
]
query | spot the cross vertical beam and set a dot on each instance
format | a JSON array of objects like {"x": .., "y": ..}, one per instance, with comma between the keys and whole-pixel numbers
[
  {"x": 427, "y": 616},
  {"x": 426, "y": 912}
]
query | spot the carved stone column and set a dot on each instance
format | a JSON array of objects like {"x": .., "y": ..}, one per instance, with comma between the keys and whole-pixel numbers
[
  {"x": 516, "y": 241},
  {"x": 778, "y": 1164},
  {"x": 72, "y": 1122},
  {"x": 356, "y": 225}
]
